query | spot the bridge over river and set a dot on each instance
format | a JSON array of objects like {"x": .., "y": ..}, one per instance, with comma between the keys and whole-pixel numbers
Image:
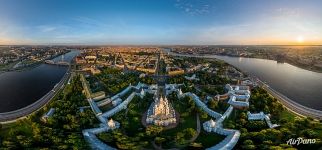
[{"x": 59, "y": 63}]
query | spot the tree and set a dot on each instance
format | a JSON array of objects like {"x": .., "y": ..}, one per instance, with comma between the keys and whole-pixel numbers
[
  {"x": 159, "y": 140},
  {"x": 249, "y": 147},
  {"x": 242, "y": 121},
  {"x": 309, "y": 133},
  {"x": 24, "y": 141},
  {"x": 213, "y": 104},
  {"x": 243, "y": 115},
  {"x": 248, "y": 142},
  {"x": 204, "y": 115},
  {"x": 9, "y": 144},
  {"x": 153, "y": 130},
  {"x": 179, "y": 138},
  {"x": 189, "y": 132}
]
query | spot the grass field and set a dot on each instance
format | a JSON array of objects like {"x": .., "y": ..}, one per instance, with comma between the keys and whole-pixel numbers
[
  {"x": 185, "y": 122},
  {"x": 287, "y": 115},
  {"x": 209, "y": 139},
  {"x": 23, "y": 126}
]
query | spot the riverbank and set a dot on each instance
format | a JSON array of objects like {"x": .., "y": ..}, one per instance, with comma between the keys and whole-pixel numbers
[
  {"x": 295, "y": 108},
  {"x": 11, "y": 68},
  {"x": 306, "y": 67},
  {"x": 34, "y": 133},
  {"x": 298, "y": 84},
  {"x": 25, "y": 68},
  {"x": 286, "y": 60},
  {"x": 19, "y": 89},
  {"x": 12, "y": 116},
  {"x": 292, "y": 106}
]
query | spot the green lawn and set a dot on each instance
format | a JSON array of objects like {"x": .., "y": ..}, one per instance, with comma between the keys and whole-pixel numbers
[
  {"x": 7, "y": 66},
  {"x": 22, "y": 126},
  {"x": 319, "y": 131},
  {"x": 287, "y": 115},
  {"x": 185, "y": 122},
  {"x": 232, "y": 117},
  {"x": 209, "y": 139}
]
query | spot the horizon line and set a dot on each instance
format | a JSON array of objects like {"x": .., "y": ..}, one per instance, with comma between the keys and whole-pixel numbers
[{"x": 159, "y": 45}]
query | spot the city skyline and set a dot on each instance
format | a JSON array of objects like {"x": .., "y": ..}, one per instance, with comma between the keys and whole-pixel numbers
[{"x": 168, "y": 22}]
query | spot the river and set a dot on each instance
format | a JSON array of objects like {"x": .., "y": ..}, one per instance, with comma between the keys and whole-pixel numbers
[
  {"x": 20, "y": 89},
  {"x": 300, "y": 85}
]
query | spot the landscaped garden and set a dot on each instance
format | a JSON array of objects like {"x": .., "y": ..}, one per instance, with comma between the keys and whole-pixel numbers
[{"x": 134, "y": 135}]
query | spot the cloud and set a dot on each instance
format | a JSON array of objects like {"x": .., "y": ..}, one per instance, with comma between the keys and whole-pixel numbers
[
  {"x": 90, "y": 21},
  {"x": 46, "y": 28},
  {"x": 193, "y": 7},
  {"x": 287, "y": 12}
]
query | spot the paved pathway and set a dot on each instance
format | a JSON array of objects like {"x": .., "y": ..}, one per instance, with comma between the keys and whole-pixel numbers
[
  {"x": 198, "y": 129},
  {"x": 291, "y": 105}
]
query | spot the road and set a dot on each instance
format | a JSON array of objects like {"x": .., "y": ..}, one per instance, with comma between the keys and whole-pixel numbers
[
  {"x": 291, "y": 105},
  {"x": 13, "y": 115}
]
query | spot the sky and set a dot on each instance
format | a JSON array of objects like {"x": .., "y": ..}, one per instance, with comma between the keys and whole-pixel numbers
[{"x": 192, "y": 22}]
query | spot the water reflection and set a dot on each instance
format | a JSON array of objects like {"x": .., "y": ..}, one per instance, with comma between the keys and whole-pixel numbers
[{"x": 19, "y": 89}]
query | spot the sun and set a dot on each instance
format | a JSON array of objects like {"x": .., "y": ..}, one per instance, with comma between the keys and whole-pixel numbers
[{"x": 300, "y": 39}]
